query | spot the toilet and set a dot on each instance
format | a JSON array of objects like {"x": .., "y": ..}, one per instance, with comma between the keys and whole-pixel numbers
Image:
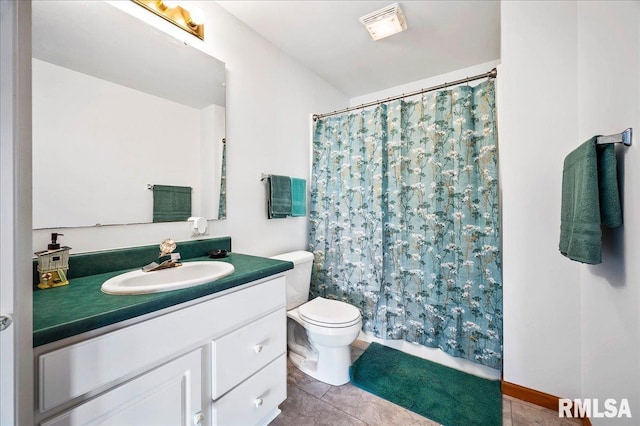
[{"x": 319, "y": 331}]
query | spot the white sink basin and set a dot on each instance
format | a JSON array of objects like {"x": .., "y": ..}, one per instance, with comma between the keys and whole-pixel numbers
[{"x": 188, "y": 275}]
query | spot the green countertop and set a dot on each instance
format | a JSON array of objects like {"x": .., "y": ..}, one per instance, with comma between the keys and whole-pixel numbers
[{"x": 79, "y": 307}]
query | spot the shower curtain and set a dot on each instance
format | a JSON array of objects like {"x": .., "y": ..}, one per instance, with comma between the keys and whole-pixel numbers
[{"x": 405, "y": 219}]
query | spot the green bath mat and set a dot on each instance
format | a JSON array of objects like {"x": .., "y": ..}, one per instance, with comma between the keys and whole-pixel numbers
[{"x": 440, "y": 393}]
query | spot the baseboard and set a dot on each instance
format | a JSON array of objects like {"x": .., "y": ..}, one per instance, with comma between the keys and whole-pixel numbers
[{"x": 533, "y": 396}]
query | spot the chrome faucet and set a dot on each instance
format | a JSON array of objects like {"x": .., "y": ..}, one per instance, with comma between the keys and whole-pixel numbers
[{"x": 166, "y": 249}]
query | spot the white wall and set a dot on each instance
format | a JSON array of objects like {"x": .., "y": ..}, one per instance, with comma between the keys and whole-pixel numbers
[
  {"x": 569, "y": 70},
  {"x": 608, "y": 102},
  {"x": 270, "y": 99},
  {"x": 537, "y": 125}
]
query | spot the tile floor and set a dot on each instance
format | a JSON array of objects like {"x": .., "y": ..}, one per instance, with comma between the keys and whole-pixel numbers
[{"x": 313, "y": 403}]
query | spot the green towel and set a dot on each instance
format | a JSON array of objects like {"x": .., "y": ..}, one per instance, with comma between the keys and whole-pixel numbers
[
  {"x": 279, "y": 200},
  {"x": 298, "y": 197},
  {"x": 589, "y": 198},
  {"x": 171, "y": 203}
]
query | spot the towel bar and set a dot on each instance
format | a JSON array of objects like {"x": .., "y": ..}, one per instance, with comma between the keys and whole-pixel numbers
[
  {"x": 150, "y": 187},
  {"x": 624, "y": 137},
  {"x": 264, "y": 176}
]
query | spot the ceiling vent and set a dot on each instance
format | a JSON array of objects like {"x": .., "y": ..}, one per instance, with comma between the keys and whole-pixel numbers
[{"x": 385, "y": 22}]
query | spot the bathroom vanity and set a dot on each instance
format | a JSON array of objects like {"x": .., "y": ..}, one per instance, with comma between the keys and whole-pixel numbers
[{"x": 212, "y": 359}]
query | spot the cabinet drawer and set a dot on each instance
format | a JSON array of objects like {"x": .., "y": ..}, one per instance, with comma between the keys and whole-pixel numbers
[
  {"x": 254, "y": 400},
  {"x": 242, "y": 352}
]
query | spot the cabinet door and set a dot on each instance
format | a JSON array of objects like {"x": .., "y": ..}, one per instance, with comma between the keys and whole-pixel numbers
[{"x": 168, "y": 395}]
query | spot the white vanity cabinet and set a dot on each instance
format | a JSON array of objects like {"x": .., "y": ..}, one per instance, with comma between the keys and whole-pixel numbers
[{"x": 218, "y": 362}]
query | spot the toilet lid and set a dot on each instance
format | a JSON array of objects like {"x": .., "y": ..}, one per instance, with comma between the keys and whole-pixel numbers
[{"x": 331, "y": 313}]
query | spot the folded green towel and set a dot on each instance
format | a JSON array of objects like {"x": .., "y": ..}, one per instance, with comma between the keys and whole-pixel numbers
[
  {"x": 279, "y": 200},
  {"x": 589, "y": 198},
  {"x": 298, "y": 197},
  {"x": 610, "y": 206},
  {"x": 171, "y": 203}
]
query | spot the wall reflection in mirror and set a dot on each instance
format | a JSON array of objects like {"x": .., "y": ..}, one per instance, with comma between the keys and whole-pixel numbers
[{"x": 119, "y": 105}]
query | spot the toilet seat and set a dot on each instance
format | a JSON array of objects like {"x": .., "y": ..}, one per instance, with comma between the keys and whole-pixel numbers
[{"x": 329, "y": 313}]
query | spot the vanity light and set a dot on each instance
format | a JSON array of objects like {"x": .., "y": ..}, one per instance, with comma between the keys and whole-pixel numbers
[
  {"x": 385, "y": 22},
  {"x": 168, "y": 3},
  {"x": 190, "y": 21},
  {"x": 197, "y": 16}
]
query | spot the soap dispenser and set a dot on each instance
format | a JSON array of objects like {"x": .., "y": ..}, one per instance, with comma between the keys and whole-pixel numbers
[{"x": 53, "y": 264}]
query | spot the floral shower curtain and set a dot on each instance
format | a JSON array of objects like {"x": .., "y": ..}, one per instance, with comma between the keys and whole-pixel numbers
[{"x": 405, "y": 220}]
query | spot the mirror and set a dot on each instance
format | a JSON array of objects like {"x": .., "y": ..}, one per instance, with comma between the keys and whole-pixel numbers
[{"x": 120, "y": 106}]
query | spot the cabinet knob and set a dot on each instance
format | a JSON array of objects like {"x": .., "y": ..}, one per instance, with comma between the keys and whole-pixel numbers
[
  {"x": 257, "y": 348},
  {"x": 259, "y": 402}
]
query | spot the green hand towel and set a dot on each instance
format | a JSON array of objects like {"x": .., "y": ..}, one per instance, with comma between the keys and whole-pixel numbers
[
  {"x": 610, "y": 207},
  {"x": 298, "y": 197},
  {"x": 279, "y": 200},
  {"x": 589, "y": 198},
  {"x": 171, "y": 203}
]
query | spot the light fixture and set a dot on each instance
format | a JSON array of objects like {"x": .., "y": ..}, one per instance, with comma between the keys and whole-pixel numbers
[
  {"x": 169, "y": 3},
  {"x": 190, "y": 21},
  {"x": 385, "y": 22},
  {"x": 197, "y": 16}
]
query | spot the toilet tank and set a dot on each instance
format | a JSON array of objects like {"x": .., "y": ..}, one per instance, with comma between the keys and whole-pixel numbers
[{"x": 298, "y": 278}]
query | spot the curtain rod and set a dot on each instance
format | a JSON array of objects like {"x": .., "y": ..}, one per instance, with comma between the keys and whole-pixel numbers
[{"x": 491, "y": 74}]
